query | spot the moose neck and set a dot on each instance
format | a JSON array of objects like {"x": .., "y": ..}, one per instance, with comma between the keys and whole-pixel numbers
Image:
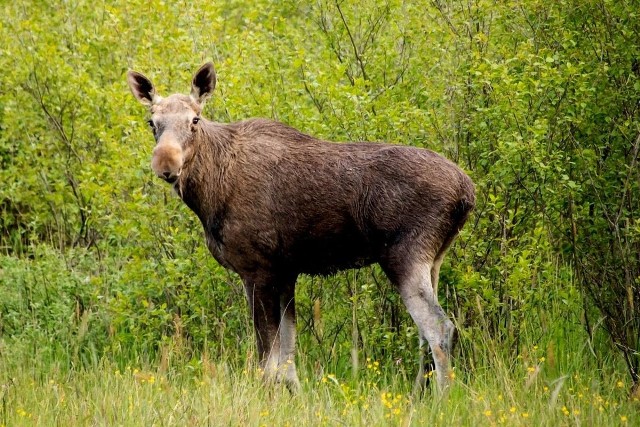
[{"x": 205, "y": 185}]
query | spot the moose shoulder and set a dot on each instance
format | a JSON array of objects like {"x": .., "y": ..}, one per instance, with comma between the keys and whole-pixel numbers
[{"x": 275, "y": 203}]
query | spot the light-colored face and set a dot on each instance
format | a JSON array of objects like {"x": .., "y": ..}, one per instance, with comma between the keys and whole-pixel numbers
[{"x": 174, "y": 120}]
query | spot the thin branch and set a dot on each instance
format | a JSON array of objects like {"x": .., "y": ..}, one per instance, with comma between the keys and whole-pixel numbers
[{"x": 353, "y": 42}]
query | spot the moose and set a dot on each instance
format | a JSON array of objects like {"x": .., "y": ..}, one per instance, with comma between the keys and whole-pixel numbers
[{"x": 276, "y": 203}]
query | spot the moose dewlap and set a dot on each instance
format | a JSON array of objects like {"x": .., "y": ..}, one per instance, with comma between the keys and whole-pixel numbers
[{"x": 275, "y": 203}]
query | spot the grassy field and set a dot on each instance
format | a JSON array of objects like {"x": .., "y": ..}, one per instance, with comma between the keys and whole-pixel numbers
[
  {"x": 58, "y": 370},
  {"x": 108, "y": 396},
  {"x": 525, "y": 391}
]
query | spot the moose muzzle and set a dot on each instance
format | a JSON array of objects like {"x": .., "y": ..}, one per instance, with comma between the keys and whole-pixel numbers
[{"x": 167, "y": 160}]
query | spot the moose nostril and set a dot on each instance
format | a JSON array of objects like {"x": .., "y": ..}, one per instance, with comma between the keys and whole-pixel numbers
[{"x": 166, "y": 174}]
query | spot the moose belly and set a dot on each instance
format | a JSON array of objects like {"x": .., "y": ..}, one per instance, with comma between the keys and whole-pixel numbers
[{"x": 330, "y": 253}]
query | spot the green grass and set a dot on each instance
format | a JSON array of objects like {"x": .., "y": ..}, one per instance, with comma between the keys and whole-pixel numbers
[
  {"x": 58, "y": 368},
  {"x": 207, "y": 393}
]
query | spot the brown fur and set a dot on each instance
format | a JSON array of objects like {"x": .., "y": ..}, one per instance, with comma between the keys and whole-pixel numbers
[{"x": 275, "y": 203}]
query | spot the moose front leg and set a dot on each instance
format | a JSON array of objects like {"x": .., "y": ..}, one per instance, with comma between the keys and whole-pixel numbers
[
  {"x": 264, "y": 306},
  {"x": 287, "y": 365}
]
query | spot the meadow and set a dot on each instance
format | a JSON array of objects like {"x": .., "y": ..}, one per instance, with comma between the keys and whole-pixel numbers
[
  {"x": 534, "y": 389},
  {"x": 112, "y": 311}
]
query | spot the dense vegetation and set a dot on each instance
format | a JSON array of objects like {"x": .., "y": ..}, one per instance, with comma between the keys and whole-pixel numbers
[{"x": 105, "y": 280}]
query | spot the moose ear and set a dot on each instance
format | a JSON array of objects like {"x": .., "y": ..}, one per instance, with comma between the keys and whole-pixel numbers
[
  {"x": 204, "y": 81},
  {"x": 142, "y": 88}
]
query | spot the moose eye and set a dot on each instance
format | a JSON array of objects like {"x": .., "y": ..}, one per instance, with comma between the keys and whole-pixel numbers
[{"x": 195, "y": 120}]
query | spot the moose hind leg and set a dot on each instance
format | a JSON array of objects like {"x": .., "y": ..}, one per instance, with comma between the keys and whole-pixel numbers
[
  {"x": 427, "y": 365},
  {"x": 434, "y": 326},
  {"x": 435, "y": 272}
]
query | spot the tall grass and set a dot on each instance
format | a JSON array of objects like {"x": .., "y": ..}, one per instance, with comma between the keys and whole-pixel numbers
[
  {"x": 217, "y": 393},
  {"x": 63, "y": 364}
]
